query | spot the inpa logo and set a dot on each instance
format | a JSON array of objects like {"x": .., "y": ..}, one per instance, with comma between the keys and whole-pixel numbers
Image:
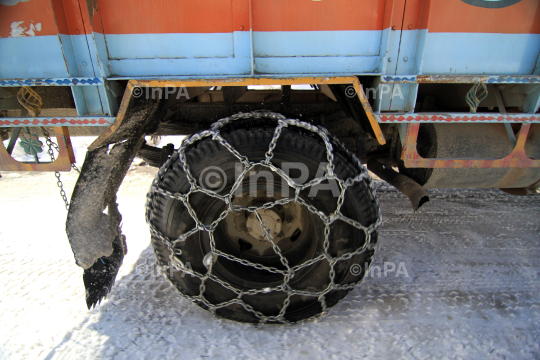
[{"x": 491, "y": 4}]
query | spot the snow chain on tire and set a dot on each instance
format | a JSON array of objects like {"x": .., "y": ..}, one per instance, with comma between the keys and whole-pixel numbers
[{"x": 289, "y": 271}]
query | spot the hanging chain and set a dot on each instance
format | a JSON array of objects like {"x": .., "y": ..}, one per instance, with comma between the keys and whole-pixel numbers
[
  {"x": 51, "y": 145},
  {"x": 289, "y": 271},
  {"x": 32, "y": 102}
]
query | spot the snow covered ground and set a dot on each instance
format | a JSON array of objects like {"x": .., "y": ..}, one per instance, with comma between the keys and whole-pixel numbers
[{"x": 471, "y": 288}]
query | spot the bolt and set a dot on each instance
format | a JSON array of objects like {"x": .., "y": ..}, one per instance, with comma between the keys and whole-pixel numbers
[
  {"x": 393, "y": 28},
  {"x": 77, "y": 31},
  {"x": 241, "y": 27},
  {"x": 405, "y": 59},
  {"x": 84, "y": 63},
  {"x": 410, "y": 26},
  {"x": 389, "y": 59}
]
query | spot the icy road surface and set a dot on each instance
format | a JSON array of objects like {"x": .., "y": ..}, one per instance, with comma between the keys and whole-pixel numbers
[{"x": 471, "y": 288}]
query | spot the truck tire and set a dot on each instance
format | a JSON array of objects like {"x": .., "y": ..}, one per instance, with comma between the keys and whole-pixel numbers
[{"x": 247, "y": 291}]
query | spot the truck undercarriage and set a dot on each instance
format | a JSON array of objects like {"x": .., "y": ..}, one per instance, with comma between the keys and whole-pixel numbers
[{"x": 425, "y": 155}]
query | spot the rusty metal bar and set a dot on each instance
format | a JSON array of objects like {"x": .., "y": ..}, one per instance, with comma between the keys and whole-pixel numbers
[
  {"x": 65, "y": 158},
  {"x": 416, "y": 193},
  {"x": 516, "y": 159},
  {"x": 119, "y": 118}
]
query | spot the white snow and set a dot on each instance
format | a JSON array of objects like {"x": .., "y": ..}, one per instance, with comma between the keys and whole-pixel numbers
[{"x": 472, "y": 290}]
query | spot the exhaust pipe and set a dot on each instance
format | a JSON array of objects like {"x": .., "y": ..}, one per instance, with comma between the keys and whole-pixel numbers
[{"x": 406, "y": 185}]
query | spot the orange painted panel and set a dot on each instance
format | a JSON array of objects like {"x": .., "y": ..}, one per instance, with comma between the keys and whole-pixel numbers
[
  {"x": 457, "y": 16},
  {"x": 240, "y": 15},
  {"x": 32, "y": 12},
  {"x": 393, "y": 14},
  {"x": 68, "y": 16},
  {"x": 309, "y": 15},
  {"x": 166, "y": 16},
  {"x": 415, "y": 12}
]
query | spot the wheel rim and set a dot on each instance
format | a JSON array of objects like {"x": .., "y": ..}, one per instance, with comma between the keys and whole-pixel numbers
[{"x": 299, "y": 241}]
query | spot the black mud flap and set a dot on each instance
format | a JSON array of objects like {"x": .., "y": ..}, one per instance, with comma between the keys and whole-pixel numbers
[{"x": 93, "y": 223}]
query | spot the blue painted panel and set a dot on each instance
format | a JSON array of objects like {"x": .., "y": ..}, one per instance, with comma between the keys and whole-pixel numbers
[
  {"x": 170, "y": 46},
  {"x": 389, "y": 60},
  {"x": 108, "y": 100},
  {"x": 477, "y": 54},
  {"x": 389, "y": 50},
  {"x": 82, "y": 55},
  {"x": 239, "y": 64},
  {"x": 405, "y": 65},
  {"x": 407, "y": 52},
  {"x": 78, "y": 54},
  {"x": 102, "y": 55},
  {"x": 536, "y": 70},
  {"x": 344, "y": 65},
  {"x": 419, "y": 52},
  {"x": 409, "y": 61},
  {"x": 69, "y": 55},
  {"x": 31, "y": 57},
  {"x": 179, "y": 67},
  {"x": 100, "y": 62},
  {"x": 85, "y": 55},
  {"x": 316, "y": 43},
  {"x": 242, "y": 44},
  {"x": 80, "y": 101}
]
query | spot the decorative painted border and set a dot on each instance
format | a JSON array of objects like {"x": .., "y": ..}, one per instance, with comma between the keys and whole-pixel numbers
[
  {"x": 457, "y": 118},
  {"x": 398, "y": 79},
  {"x": 75, "y": 81},
  {"x": 461, "y": 79},
  {"x": 65, "y": 121}
]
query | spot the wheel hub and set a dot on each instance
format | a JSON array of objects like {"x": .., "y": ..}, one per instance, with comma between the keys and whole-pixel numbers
[{"x": 271, "y": 220}]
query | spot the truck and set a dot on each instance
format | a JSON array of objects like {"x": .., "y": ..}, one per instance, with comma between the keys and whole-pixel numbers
[{"x": 266, "y": 213}]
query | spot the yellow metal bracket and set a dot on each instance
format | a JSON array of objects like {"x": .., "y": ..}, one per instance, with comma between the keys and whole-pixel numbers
[{"x": 351, "y": 80}]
